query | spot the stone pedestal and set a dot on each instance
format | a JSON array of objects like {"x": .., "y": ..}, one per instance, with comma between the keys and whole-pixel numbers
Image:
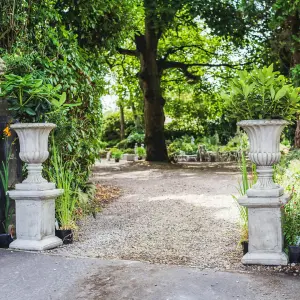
[
  {"x": 265, "y": 199},
  {"x": 35, "y": 196},
  {"x": 35, "y": 222},
  {"x": 265, "y": 230}
]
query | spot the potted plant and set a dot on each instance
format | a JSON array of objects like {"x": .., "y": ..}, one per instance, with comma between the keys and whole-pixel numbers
[
  {"x": 7, "y": 238},
  {"x": 65, "y": 203},
  {"x": 117, "y": 154},
  {"x": 141, "y": 152},
  {"x": 294, "y": 253},
  {"x": 243, "y": 186},
  {"x": 263, "y": 102},
  {"x": 30, "y": 101}
]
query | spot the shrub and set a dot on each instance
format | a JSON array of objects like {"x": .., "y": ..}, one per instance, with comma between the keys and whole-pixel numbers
[
  {"x": 117, "y": 154},
  {"x": 141, "y": 152},
  {"x": 238, "y": 142},
  {"x": 129, "y": 151},
  {"x": 243, "y": 186},
  {"x": 183, "y": 144},
  {"x": 261, "y": 94},
  {"x": 289, "y": 178},
  {"x": 111, "y": 132},
  {"x": 63, "y": 174},
  {"x": 135, "y": 137},
  {"x": 123, "y": 144}
]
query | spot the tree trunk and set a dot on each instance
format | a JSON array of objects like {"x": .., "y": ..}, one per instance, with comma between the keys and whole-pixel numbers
[
  {"x": 153, "y": 109},
  {"x": 122, "y": 123},
  {"x": 150, "y": 80}
]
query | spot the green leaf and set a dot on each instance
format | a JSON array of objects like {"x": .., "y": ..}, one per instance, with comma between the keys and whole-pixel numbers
[
  {"x": 281, "y": 93},
  {"x": 272, "y": 92},
  {"x": 30, "y": 111},
  {"x": 63, "y": 98}
]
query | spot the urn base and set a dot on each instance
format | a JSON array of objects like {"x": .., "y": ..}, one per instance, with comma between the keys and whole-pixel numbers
[
  {"x": 265, "y": 258},
  {"x": 44, "y": 244},
  {"x": 265, "y": 230},
  {"x": 44, "y": 186},
  {"x": 265, "y": 193},
  {"x": 35, "y": 222}
]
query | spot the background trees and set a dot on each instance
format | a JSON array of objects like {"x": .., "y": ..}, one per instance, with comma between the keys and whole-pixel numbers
[
  {"x": 163, "y": 57},
  {"x": 174, "y": 40}
]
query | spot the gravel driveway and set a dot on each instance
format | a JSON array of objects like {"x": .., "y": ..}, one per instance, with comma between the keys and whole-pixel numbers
[{"x": 180, "y": 214}]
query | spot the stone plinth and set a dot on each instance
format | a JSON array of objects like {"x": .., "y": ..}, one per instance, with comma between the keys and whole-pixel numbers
[
  {"x": 35, "y": 196},
  {"x": 265, "y": 230},
  {"x": 265, "y": 198},
  {"x": 35, "y": 226}
]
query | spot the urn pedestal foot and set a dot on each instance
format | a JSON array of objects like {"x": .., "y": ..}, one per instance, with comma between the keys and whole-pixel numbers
[
  {"x": 265, "y": 230},
  {"x": 44, "y": 244},
  {"x": 35, "y": 222},
  {"x": 265, "y": 258}
]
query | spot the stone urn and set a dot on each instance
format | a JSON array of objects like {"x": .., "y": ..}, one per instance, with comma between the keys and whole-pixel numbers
[
  {"x": 264, "y": 138},
  {"x": 33, "y": 138},
  {"x": 265, "y": 198},
  {"x": 35, "y": 196}
]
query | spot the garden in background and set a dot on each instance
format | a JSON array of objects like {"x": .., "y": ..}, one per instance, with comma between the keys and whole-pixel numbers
[{"x": 178, "y": 76}]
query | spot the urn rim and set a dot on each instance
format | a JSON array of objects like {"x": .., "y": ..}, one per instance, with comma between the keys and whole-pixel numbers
[
  {"x": 33, "y": 125},
  {"x": 263, "y": 122}
]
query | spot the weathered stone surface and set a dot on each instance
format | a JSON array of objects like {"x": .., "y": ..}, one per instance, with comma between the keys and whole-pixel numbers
[
  {"x": 265, "y": 198},
  {"x": 35, "y": 211},
  {"x": 130, "y": 157},
  {"x": 35, "y": 197}
]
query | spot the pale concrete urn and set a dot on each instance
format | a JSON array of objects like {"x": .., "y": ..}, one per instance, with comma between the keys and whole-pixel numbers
[
  {"x": 265, "y": 199},
  {"x": 33, "y": 139},
  {"x": 35, "y": 196},
  {"x": 264, "y": 138}
]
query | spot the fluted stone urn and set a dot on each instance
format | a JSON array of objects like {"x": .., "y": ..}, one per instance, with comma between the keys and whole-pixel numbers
[
  {"x": 35, "y": 196},
  {"x": 265, "y": 199}
]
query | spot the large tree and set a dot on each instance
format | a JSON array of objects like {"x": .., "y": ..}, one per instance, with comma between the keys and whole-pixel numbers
[
  {"x": 278, "y": 25},
  {"x": 159, "y": 20}
]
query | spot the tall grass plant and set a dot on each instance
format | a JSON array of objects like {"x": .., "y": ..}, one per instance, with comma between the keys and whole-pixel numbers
[{"x": 63, "y": 174}]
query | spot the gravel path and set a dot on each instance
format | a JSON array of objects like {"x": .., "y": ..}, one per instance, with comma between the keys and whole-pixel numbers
[{"x": 166, "y": 214}]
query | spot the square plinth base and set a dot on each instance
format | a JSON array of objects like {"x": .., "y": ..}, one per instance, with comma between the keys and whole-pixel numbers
[
  {"x": 269, "y": 259},
  {"x": 44, "y": 244}
]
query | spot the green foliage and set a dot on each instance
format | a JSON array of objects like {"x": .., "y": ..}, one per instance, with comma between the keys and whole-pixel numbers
[
  {"x": 296, "y": 75},
  {"x": 239, "y": 142},
  {"x": 88, "y": 205},
  {"x": 111, "y": 128},
  {"x": 182, "y": 145},
  {"x": 211, "y": 143},
  {"x": 136, "y": 137},
  {"x": 116, "y": 153},
  {"x": 129, "y": 151},
  {"x": 141, "y": 152},
  {"x": 122, "y": 144},
  {"x": 243, "y": 186},
  {"x": 261, "y": 94},
  {"x": 4, "y": 177},
  {"x": 31, "y": 99},
  {"x": 77, "y": 140},
  {"x": 287, "y": 174},
  {"x": 63, "y": 174}
]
